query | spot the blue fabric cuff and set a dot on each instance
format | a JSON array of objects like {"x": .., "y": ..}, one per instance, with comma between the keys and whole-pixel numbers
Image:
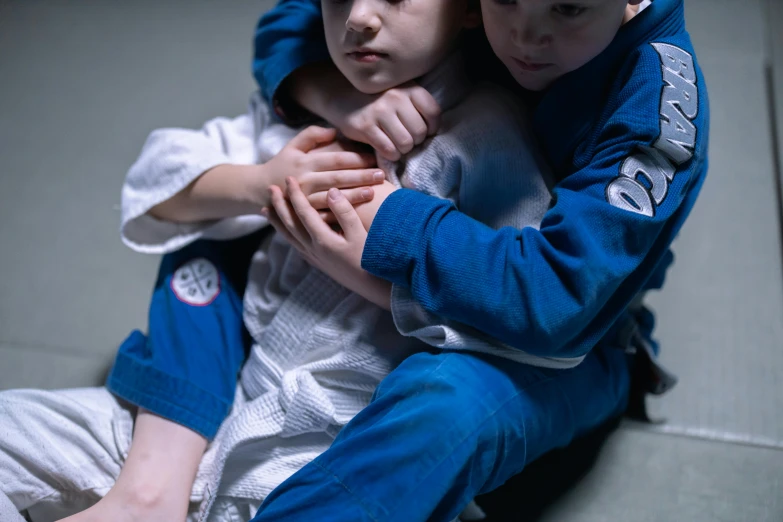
[
  {"x": 168, "y": 396},
  {"x": 398, "y": 235}
]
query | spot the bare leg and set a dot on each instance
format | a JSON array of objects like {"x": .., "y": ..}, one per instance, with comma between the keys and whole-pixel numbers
[{"x": 155, "y": 482}]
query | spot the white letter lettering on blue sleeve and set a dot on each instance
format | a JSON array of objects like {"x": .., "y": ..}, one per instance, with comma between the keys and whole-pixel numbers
[
  {"x": 628, "y": 194},
  {"x": 680, "y": 92},
  {"x": 676, "y": 60},
  {"x": 679, "y": 105}
]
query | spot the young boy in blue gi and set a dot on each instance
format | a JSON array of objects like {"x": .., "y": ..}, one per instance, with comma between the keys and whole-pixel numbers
[
  {"x": 479, "y": 404},
  {"x": 622, "y": 116},
  {"x": 319, "y": 350}
]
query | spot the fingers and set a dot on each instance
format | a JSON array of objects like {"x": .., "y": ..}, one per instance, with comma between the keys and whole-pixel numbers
[
  {"x": 323, "y": 181},
  {"x": 347, "y": 217},
  {"x": 338, "y": 145},
  {"x": 397, "y": 133},
  {"x": 290, "y": 225},
  {"x": 427, "y": 107},
  {"x": 323, "y": 161},
  {"x": 355, "y": 196},
  {"x": 312, "y": 137},
  {"x": 379, "y": 141},
  {"x": 414, "y": 122},
  {"x": 312, "y": 222},
  {"x": 328, "y": 217},
  {"x": 279, "y": 227},
  {"x": 275, "y": 221}
]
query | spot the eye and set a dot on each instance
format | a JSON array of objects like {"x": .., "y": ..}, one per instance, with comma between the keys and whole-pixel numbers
[{"x": 569, "y": 10}]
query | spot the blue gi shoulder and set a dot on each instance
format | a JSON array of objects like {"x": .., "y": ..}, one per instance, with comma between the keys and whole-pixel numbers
[{"x": 630, "y": 152}]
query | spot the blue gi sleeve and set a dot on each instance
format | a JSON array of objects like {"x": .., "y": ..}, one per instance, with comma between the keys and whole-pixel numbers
[
  {"x": 287, "y": 37},
  {"x": 556, "y": 291}
]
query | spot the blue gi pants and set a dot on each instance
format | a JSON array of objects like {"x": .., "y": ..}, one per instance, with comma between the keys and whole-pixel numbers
[
  {"x": 186, "y": 368},
  {"x": 443, "y": 428}
]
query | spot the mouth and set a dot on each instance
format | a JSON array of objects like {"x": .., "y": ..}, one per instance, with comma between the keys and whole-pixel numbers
[
  {"x": 531, "y": 66},
  {"x": 366, "y": 56}
]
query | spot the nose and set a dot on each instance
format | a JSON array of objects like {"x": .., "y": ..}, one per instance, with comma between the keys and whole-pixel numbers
[
  {"x": 531, "y": 32},
  {"x": 363, "y": 18}
]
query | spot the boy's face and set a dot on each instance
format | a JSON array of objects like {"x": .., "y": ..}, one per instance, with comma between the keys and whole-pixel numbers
[
  {"x": 541, "y": 40},
  {"x": 379, "y": 44}
]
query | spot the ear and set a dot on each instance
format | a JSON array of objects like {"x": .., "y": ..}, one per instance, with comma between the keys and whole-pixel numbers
[{"x": 473, "y": 18}]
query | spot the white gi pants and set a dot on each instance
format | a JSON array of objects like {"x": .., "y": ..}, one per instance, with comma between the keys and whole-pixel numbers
[{"x": 61, "y": 452}]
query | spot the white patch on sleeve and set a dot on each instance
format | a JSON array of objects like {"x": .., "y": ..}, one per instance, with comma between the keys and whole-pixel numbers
[{"x": 196, "y": 283}]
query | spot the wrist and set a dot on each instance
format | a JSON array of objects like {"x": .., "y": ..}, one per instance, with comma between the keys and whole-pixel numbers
[
  {"x": 289, "y": 100},
  {"x": 367, "y": 211},
  {"x": 251, "y": 190},
  {"x": 317, "y": 87},
  {"x": 381, "y": 293}
]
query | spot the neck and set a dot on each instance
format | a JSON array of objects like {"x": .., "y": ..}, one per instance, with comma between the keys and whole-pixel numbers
[
  {"x": 448, "y": 82},
  {"x": 630, "y": 12}
]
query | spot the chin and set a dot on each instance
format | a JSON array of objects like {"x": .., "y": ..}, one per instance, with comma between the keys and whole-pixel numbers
[
  {"x": 534, "y": 87},
  {"x": 372, "y": 88},
  {"x": 531, "y": 83},
  {"x": 371, "y": 85}
]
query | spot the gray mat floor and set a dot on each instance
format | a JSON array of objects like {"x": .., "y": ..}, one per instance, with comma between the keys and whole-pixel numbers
[
  {"x": 721, "y": 316},
  {"x": 82, "y": 83}
]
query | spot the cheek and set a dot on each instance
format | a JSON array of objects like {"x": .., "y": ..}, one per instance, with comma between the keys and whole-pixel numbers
[
  {"x": 496, "y": 36},
  {"x": 579, "y": 47},
  {"x": 332, "y": 36},
  {"x": 423, "y": 51},
  {"x": 490, "y": 27}
]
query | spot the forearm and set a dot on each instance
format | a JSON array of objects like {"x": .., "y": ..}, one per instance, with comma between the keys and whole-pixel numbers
[
  {"x": 311, "y": 87},
  {"x": 221, "y": 192},
  {"x": 518, "y": 286},
  {"x": 368, "y": 210},
  {"x": 374, "y": 289},
  {"x": 377, "y": 291}
]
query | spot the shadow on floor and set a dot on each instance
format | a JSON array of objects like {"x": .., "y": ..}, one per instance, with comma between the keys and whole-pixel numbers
[{"x": 526, "y": 496}]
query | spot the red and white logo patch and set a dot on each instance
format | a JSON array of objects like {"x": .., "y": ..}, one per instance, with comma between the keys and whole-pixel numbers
[{"x": 196, "y": 283}]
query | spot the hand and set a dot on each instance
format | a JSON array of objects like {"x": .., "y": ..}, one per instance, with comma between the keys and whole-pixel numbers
[
  {"x": 319, "y": 162},
  {"x": 392, "y": 122},
  {"x": 337, "y": 254},
  {"x": 375, "y": 196}
]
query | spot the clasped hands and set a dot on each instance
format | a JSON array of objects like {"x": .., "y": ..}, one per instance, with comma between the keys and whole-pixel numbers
[{"x": 326, "y": 205}]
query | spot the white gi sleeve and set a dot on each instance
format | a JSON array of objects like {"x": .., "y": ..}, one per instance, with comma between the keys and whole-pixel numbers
[{"x": 172, "y": 159}]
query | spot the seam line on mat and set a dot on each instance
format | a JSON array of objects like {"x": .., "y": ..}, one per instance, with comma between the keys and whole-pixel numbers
[
  {"x": 772, "y": 106},
  {"x": 706, "y": 434}
]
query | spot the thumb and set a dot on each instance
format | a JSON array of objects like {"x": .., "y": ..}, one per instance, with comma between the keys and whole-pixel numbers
[
  {"x": 312, "y": 137},
  {"x": 346, "y": 215}
]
